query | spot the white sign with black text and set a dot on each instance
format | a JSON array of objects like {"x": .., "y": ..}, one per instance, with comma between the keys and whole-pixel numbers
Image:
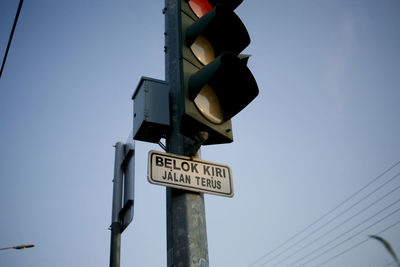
[{"x": 190, "y": 174}]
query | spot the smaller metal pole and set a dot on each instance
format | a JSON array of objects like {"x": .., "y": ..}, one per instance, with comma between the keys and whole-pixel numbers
[
  {"x": 115, "y": 247},
  {"x": 115, "y": 250}
]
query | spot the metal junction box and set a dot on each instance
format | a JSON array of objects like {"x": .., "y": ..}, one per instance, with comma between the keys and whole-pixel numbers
[{"x": 151, "y": 110}]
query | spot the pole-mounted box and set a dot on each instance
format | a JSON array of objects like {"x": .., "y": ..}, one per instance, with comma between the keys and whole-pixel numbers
[{"x": 151, "y": 110}]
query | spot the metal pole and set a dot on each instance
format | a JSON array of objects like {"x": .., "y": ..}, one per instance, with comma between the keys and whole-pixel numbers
[
  {"x": 115, "y": 247},
  {"x": 186, "y": 223}
]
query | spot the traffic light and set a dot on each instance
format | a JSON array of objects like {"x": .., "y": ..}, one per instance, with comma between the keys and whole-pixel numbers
[{"x": 216, "y": 81}]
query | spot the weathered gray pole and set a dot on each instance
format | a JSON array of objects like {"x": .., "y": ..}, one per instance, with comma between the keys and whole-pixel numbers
[
  {"x": 115, "y": 246},
  {"x": 186, "y": 223}
]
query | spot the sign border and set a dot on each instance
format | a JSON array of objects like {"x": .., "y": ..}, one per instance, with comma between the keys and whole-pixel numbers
[{"x": 189, "y": 188}]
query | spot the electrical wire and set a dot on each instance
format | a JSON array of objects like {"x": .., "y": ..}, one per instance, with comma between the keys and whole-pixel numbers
[
  {"x": 324, "y": 215},
  {"x": 164, "y": 147},
  {"x": 333, "y": 219},
  {"x": 390, "y": 264},
  {"x": 11, "y": 36},
  {"x": 353, "y": 228},
  {"x": 338, "y": 225},
  {"x": 353, "y": 236},
  {"x": 358, "y": 244}
]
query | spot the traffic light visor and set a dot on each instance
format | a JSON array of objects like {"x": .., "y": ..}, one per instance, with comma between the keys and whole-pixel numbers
[
  {"x": 220, "y": 30},
  {"x": 231, "y": 81},
  {"x": 200, "y": 7}
]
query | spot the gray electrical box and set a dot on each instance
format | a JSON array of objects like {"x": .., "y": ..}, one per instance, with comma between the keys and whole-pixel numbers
[{"x": 151, "y": 110}]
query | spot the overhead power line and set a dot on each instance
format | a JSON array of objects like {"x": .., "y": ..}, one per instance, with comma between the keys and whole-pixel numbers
[
  {"x": 393, "y": 263},
  {"x": 324, "y": 234},
  {"x": 358, "y": 244},
  {"x": 348, "y": 231},
  {"x": 11, "y": 36},
  {"x": 327, "y": 213}
]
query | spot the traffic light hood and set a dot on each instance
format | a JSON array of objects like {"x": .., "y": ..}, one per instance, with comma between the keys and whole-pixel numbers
[
  {"x": 222, "y": 28},
  {"x": 231, "y": 80}
]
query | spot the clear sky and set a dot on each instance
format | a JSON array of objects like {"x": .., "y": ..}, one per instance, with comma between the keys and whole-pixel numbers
[{"x": 325, "y": 124}]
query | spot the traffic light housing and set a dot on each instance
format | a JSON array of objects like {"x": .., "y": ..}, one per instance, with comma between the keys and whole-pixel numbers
[{"x": 216, "y": 81}]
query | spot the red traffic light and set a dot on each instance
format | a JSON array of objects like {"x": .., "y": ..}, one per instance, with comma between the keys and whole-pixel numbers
[{"x": 200, "y": 7}]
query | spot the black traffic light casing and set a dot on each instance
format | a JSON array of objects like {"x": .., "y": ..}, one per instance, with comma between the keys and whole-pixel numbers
[{"x": 227, "y": 74}]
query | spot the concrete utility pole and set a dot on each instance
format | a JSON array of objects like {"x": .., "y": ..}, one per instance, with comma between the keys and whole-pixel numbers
[{"x": 186, "y": 223}]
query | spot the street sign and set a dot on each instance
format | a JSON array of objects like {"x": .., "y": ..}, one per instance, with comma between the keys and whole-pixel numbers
[{"x": 189, "y": 174}]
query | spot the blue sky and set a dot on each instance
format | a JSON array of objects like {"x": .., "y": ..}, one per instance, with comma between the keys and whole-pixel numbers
[{"x": 326, "y": 122}]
